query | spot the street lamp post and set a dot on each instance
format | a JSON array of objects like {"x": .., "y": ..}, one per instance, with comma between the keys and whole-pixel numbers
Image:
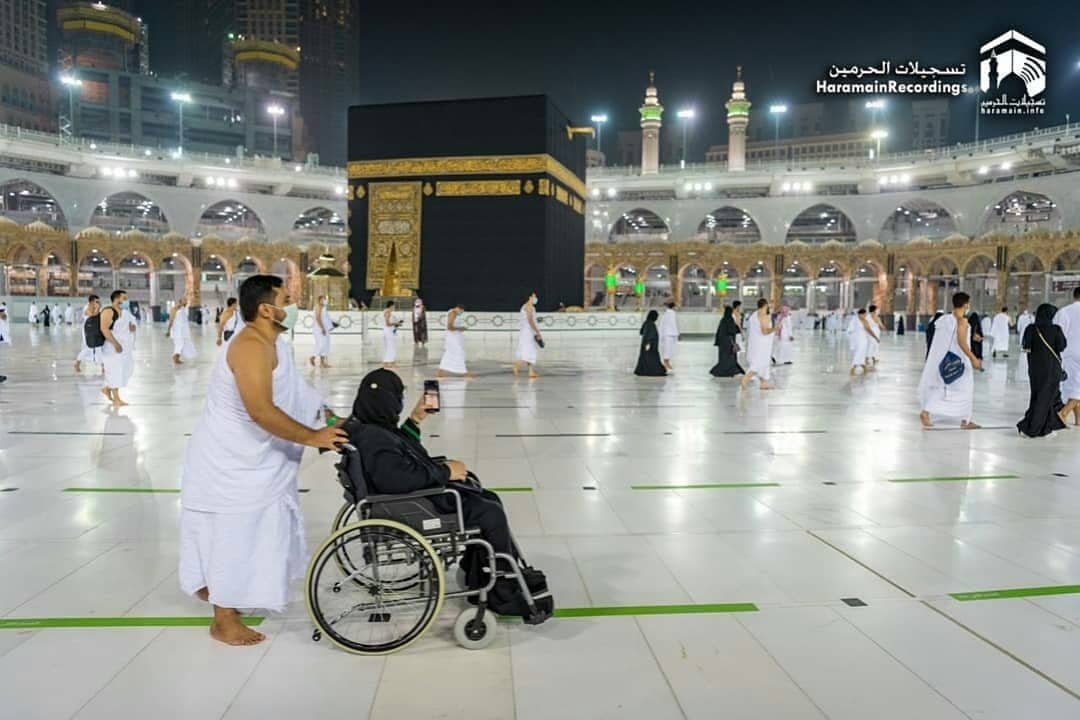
[
  {"x": 879, "y": 135},
  {"x": 777, "y": 111},
  {"x": 686, "y": 116},
  {"x": 181, "y": 99},
  {"x": 599, "y": 120},
  {"x": 71, "y": 82},
  {"x": 275, "y": 111}
]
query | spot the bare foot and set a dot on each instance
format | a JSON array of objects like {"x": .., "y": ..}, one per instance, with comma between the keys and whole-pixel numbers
[
  {"x": 924, "y": 418},
  {"x": 765, "y": 385},
  {"x": 119, "y": 403},
  {"x": 852, "y": 373},
  {"x": 439, "y": 373},
  {"x": 78, "y": 367},
  {"x": 326, "y": 366},
  {"x": 968, "y": 426},
  {"x": 105, "y": 392},
  {"x": 203, "y": 594},
  {"x": 311, "y": 360},
  {"x": 235, "y": 633},
  {"x": 468, "y": 376},
  {"x": 514, "y": 368},
  {"x": 533, "y": 374},
  {"x": 744, "y": 382}
]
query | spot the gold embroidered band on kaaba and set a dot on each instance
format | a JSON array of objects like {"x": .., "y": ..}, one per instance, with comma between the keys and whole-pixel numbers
[{"x": 470, "y": 165}]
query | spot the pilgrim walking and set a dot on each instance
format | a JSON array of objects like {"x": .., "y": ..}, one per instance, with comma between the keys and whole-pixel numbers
[
  {"x": 1044, "y": 342},
  {"x": 453, "y": 358},
  {"x": 947, "y": 386},
  {"x": 727, "y": 347},
  {"x": 649, "y": 363}
]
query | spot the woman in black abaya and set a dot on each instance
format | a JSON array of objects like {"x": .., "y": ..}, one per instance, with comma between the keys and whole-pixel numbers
[
  {"x": 648, "y": 363},
  {"x": 727, "y": 359},
  {"x": 1044, "y": 342},
  {"x": 976, "y": 334}
]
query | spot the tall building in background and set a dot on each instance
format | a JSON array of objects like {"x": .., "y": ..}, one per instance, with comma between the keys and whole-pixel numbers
[
  {"x": 651, "y": 112},
  {"x": 263, "y": 53},
  {"x": 189, "y": 38},
  {"x": 738, "y": 117},
  {"x": 25, "y": 93},
  {"x": 328, "y": 80}
]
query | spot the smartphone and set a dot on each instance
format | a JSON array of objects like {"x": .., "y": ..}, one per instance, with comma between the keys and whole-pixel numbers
[{"x": 431, "y": 396}]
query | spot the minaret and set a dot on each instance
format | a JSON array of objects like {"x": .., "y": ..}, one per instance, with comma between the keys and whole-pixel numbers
[
  {"x": 650, "y": 129},
  {"x": 738, "y": 117}
]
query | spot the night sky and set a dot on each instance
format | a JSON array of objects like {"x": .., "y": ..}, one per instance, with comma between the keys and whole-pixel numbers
[{"x": 594, "y": 56}]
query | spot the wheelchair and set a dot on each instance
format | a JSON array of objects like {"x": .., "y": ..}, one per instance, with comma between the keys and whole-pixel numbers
[{"x": 378, "y": 583}]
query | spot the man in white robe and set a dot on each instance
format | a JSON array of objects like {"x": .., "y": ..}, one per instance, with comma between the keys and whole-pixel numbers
[
  {"x": 87, "y": 353},
  {"x": 957, "y": 399},
  {"x": 320, "y": 332},
  {"x": 32, "y": 315},
  {"x": 112, "y": 353},
  {"x": 125, "y": 331},
  {"x": 1068, "y": 319},
  {"x": 241, "y": 532},
  {"x": 999, "y": 332},
  {"x": 862, "y": 334},
  {"x": 5, "y": 331},
  {"x": 179, "y": 331},
  {"x": 69, "y": 315},
  {"x": 1022, "y": 323},
  {"x": 669, "y": 336}
]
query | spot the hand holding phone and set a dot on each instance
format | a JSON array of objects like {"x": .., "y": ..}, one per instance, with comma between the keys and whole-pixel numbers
[{"x": 432, "y": 400}]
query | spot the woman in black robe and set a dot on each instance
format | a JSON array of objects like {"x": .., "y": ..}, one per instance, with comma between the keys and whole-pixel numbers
[
  {"x": 396, "y": 462},
  {"x": 727, "y": 358},
  {"x": 976, "y": 334},
  {"x": 1044, "y": 342},
  {"x": 648, "y": 363},
  {"x": 419, "y": 324}
]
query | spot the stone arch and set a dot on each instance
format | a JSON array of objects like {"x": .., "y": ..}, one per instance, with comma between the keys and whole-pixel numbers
[
  {"x": 95, "y": 273},
  {"x": 1067, "y": 261},
  {"x": 639, "y": 225},
  {"x": 169, "y": 269},
  {"x": 729, "y": 224},
  {"x": 793, "y": 289},
  {"x": 26, "y": 202},
  {"x": 693, "y": 286},
  {"x": 918, "y": 217},
  {"x": 133, "y": 274},
  {"x": 230, "y": 220},
  {"x": 288, "y": 270},
  {"x": 819, "y": 224},
  {"x": 127, "y": 211},
  {"x": 144, "y": 257},
  {"x": 1020, "y": 212},
  {"x": 980, "y": 264},
  {"x": 321, "y": 224},
  {"x": 595, "y": 288}
]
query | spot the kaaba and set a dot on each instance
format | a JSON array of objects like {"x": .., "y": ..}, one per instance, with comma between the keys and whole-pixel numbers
[{"x": 477, "y": 201}]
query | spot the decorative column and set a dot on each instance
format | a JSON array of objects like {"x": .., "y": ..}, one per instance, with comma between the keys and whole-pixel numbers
[
  {"x": 195, "y": 291},
  {"x": 1024, "y": 283},
  {"x": 1002, "y": 288},
  {"x": 651, "y": 111},
  {"x": 304, "y": 282},
  {"x": 931, "y": 298},
  {"x": 738, "y": 117},
  {"x": 73, "y": 269},
  {"x": 611, "y": 284}
]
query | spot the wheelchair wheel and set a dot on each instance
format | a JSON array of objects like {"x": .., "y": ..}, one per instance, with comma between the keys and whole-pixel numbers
[
  {"x": 473, "y": 634},
  {"x": 359, "y": 610},
  {"x": 396, "y": 572}
]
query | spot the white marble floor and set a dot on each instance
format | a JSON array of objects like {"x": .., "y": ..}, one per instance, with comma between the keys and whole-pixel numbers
[{"x": 819, "y": 522}]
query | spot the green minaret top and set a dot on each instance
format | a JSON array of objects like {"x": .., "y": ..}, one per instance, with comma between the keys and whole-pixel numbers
[{"x": 652, "y": 109}]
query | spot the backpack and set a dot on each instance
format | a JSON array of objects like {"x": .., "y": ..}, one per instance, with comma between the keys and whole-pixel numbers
[{"x": 92, "y": 331}]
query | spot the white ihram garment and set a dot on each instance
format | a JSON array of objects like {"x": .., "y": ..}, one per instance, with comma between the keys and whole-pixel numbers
[
  {"x": 999, "y": 330},
  {"x": 935, "y": 397},
  {"x": 181, "y": 336},
  {"x": 669, "y": 335},
  {"x": 453, "y": 358},
  {"x": 785, "y": 340},
  {"x": 114, "y": 361},
  {"x": 389, "y": 338},
  {"x": 126, "y": 337},
  {"x": 527, "y": 349},
  {"x": 87, "y": 353},
  {"x": 860, "y": 341},
  {"x": 759, "y": 349},
  {"x": 1022, "y": 324},
  {"x": 5, "y": 328},
  {"x": 69, "y": 315},
  {"x": 322, "y": 338},
  {"x": 241, "y": 531},
  {"x": 1068, "y": 319}
]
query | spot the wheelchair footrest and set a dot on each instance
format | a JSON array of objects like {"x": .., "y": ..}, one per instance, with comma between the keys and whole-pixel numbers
[{"x": 537, "y": 618}]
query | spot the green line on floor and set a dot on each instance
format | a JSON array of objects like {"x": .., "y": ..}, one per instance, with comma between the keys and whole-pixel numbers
[
  {"x": 1017, "y": 593},
  {"x": 655, "y": 610},
  {"x": 120, "y": 490},
  {"x": 112, "y": 622},
  {"x": 709, "y": 486},
  {"x": 509, "y": 489},
  {"x": 957, "y": 478}
]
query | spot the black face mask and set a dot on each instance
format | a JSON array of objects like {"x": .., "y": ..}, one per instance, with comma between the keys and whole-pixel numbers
[{"x": 379, "y": 399}]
